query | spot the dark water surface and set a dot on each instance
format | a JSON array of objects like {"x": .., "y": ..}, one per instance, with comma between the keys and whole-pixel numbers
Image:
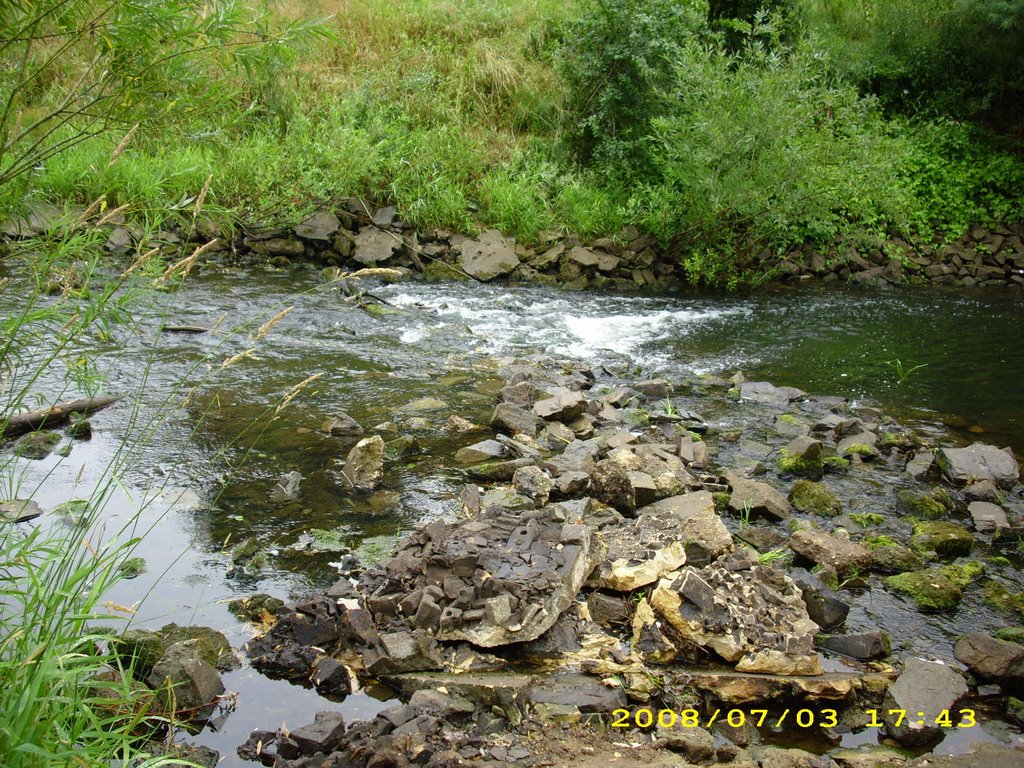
[{"x": 204, "y": 479}]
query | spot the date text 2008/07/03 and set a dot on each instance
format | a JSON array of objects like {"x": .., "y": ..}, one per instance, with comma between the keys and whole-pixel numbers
[{"x": 800, "y": 718}]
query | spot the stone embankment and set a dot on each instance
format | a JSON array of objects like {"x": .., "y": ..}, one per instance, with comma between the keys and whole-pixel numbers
[{"x": 357, "y": 234}]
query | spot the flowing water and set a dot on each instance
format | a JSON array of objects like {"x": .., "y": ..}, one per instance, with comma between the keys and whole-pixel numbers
[{"x": 206, "y": 477}]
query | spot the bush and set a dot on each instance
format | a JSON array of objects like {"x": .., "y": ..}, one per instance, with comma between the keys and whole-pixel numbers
[
  {"x": 617, "y": 62},
  {"x": 762, "y": 152},
  {"x": 960, "y": 58}
]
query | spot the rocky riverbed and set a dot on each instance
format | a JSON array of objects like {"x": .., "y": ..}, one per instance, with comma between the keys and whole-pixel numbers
[{"x": 616, "y": 553}]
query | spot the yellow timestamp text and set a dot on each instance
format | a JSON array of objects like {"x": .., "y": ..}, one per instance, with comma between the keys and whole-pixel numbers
[
  {"x": 946, "y": 718},
  {"x": 737, "y": 718}
]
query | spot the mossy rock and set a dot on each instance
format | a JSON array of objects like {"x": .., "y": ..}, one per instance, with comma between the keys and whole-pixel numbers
[
  {"x": 1000, "y": 598},
  {"x": 212, "y": 646},
  {"x": 132, "y": 568},
  {"x": 255, "y": 608},
  {"x": 402, "y": 447},
  {"x": 947, "y": 540},
  {"x": 36, "y": 445},
  {"x": 928, "y": 506},
  {"x": 836, "y": 463},
  {"x": 244, "y": 550},
  {"x": 140, "y": 649},
  {"x": 867, "y": 519},
  {"x": 1011, "y": 634},
  {"x": 936, "y": 589},
  {"x": 800, "y": 465},
  {"x": 894, "y": 558},
  {"x": 721, "y": 499},
  {"x": 814, "y": 498},
  {"x": 903, "y": 441}
]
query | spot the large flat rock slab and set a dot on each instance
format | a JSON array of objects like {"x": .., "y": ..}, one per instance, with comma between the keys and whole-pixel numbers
[
  {"x": 980, "y": 462},
  {"x": 486, "y": 257},
  {"x": 502, "y": 578}
]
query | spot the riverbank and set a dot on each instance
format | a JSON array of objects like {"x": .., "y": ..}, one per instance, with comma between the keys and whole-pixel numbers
[{"x": 359, "y": 235}]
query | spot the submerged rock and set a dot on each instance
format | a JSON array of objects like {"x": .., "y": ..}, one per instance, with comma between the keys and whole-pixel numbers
[
  {"x": 935, "y": 589},
  {"x": 364, "y": 466}
]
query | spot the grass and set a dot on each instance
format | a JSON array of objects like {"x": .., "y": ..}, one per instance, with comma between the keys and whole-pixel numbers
[{"x": 458, "y": 114}]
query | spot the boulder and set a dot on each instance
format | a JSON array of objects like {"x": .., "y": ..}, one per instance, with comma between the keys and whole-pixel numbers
[
  {"x": 803, "y": 456},
  {"x": 486, "y": 257},
  {"x": 320, "y": 227},
  {"x": 861, "y": 444},
  {"x": 364, "y": 466},
  {"x": 814, "y": 498},
  {"x": 36, "y": 445},
  {"x": 323, "y": 735},
  {"x": 824, "y": 607},
  {"x": 865, "y": 646},
  {"x": 19, "y": 511},
  {"x": 965, "y": 466},
  {"x": 823, "y": 548},
  {"x": 342, "y": 425},
  {"x": 534, "y": 483},
  {"x": 987, "y": 517},
  {"x": 763, "y": 392},
  {"x": 373, "y": 247},
  {"x": 946, "y": 540},
  {"x": 750, "y": 496},
  {"x": 485, "y": 450},
  {"x": 185, "y": 681},
  {"x": 992, "y": 659},
  {"x": 611, "y": 484},
  {"x": 514, "y": 420},
  {"x": 923, "y": 692},
  {"x": 588, "y": 257},
  {"x": 937, "y": 588},
  {"x": 740, "y": 610},
  {"x": 564, "y": 405}
]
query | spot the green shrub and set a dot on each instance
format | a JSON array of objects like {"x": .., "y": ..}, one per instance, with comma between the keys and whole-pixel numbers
[
  {"x": 764, "y": 151},
  {"x": 617, "y": 61}
]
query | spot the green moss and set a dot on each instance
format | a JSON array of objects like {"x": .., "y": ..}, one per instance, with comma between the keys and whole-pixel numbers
[
  {"x": 140, "y": 649},
  {"x": 928, "y": 506},
  {"x": 836, "y": 462},
  {"x": 874, "y": 542},
  {"x": 1011, "y": 634},
  {"x": 721, "y": 500},
  {"x": 788, "y": 418},
  {"x": 945, "y": 539},
  {"x": 814, "y": 498},
  {"x": 867, "y": 519},
  {"x": 904, "y": 441},
  {"x": 132, "y": 567},
  {"x": 999, "y": 560},
  {"x": 936, "y": 589},
  {"x": 860, "y": 449},
  {"x": 1000, "y": 598},
  {"x": 892, "y": 557},
  {"x": 799, "y": 465}
]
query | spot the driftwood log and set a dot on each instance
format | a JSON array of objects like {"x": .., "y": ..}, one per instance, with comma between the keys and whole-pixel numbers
[{"x": 20, "y": 423}]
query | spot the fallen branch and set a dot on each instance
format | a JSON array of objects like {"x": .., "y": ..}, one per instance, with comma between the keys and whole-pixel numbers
[{"x": 48, "y": 417}]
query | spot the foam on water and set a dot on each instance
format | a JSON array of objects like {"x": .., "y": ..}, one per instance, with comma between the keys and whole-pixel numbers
[{"x": 552, "y": 323}]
